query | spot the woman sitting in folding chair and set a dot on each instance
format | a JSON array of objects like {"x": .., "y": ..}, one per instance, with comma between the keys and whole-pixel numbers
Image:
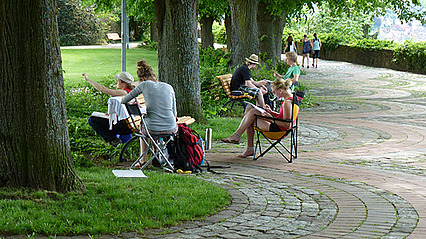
[
  {"x": 160, "y": 101},
  {"x": 281, "y": 89}
]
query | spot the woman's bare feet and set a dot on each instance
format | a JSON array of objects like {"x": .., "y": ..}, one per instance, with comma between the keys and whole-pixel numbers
[
  {"x": 249, "y": 152},
  {"x": 139, "y": 164}
]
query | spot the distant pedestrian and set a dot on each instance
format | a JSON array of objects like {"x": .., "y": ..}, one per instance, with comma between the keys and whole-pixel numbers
[
  {"x": 306, "y": 50},
  {"x": 290, "y": 46},
  {"x": 316, "y": 46}
]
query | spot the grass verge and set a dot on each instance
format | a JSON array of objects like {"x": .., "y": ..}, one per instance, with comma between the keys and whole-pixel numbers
[{"x": 110, "y": 205}]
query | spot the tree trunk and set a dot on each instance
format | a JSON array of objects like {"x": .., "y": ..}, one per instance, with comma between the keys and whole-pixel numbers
[
  {"x": 207, "y": 39},
  {"x": 228, "y": 27},
  {"x": 154, "y": 30},
  {"x": 34, "y": 143},
  {"x": 244, "y": 30},
  {"x": 178, "y": 55},
  {"x": 270, "y": 30}
]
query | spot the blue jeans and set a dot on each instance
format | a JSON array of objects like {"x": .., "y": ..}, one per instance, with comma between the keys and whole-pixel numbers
[{"x": 101, "y": 126}]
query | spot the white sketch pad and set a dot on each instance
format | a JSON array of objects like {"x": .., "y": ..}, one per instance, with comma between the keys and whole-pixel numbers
[{"x": 129, "y": 173}]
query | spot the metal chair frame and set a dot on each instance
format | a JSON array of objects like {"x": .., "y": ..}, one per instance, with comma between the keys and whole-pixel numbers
[{"x": 152, "y": 146}]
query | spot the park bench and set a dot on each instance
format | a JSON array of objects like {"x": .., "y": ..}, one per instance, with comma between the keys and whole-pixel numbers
[
  {"x": 226, "y": 85},
  {"x": 113, "y": 37}
]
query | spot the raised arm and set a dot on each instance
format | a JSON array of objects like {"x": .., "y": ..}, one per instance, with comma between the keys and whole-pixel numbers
[{"x": 104, "y": 89}]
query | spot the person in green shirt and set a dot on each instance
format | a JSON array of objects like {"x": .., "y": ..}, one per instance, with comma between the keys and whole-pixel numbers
[{"x": 293, "y": 72}]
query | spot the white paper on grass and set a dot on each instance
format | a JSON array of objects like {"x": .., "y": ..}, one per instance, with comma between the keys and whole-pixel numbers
[{"x": 129, "y": 173}]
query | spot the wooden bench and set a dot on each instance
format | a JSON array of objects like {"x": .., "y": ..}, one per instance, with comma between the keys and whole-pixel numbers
[
  {"x": 113, "y": 37},
  {"x": 226, "y": 85}
]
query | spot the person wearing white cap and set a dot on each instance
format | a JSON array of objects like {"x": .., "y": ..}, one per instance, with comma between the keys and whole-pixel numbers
[
  {"x": 124, "y": 84},
  {"x": 101, "y": 125},
  {"x": 242, "y": 77}
]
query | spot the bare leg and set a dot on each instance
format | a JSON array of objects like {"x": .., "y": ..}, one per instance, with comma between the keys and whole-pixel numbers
[
  {"x": 307, "y": 60},
  {"x": 247, "y": 123},
  {"x": 260, "y": 100}
]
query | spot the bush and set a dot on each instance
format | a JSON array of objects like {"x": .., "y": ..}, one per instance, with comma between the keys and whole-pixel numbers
[
  {"x": 412, "y": 53},
  {"x": 219, "y": 33},
  {"x": 212, "y": 63},
  {"x": 77, "y": 25},
  {"x": 331, "y": 42},
  {"x": 87, "y": 147},
  {"x": 374, "y": 44}
]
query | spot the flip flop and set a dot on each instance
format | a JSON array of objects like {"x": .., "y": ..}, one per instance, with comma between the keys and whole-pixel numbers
[{"x": 229, "y": 141}]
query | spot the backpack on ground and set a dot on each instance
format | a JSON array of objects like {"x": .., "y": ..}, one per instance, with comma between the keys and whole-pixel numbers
[{"x": 186, "y": 150}]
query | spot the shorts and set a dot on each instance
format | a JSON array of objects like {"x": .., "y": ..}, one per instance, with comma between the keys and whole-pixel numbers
[
  {"x": 306, "y": 52},
  {"x": 316, "y": 54},
  {"x": 273, "y": 127},
  {"x": 250, "y": 91}
]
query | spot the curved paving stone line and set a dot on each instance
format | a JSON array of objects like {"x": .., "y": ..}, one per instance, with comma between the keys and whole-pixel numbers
[{"x": 282, "y": 204}]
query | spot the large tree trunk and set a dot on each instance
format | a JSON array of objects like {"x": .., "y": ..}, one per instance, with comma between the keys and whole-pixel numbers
[
  {"x": 34, "y": 143},
  {"x": 244, "y": 30},
  {"x": 178, "y": 56},
  {"x": 228, "y": 27},
  {"x": 270, "y": 30},
  {"x": 154, "y": 30},
  {"x": 207, "y": 39}
]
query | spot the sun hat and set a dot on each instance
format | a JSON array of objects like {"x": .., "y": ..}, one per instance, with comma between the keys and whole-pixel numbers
[
  {"x": 125, "y": 77},
  {"x": 253, "y": 59}
]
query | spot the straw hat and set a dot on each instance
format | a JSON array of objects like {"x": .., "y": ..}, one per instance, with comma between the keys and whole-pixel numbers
[
  {"x": 125, "y": 77},
  {"x": 254, "y": 59}
]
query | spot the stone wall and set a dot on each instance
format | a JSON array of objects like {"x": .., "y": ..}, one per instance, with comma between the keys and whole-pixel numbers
[{"x": 382, "y": 58}]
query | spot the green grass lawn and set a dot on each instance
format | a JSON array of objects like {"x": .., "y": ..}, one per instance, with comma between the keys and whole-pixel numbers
[
  {"x": 102, "y": 63},
  {"x": 110, "y": 205}
]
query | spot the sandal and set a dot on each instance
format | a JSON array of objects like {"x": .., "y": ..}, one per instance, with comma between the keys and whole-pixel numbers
[{"x": 232, "y": 141}]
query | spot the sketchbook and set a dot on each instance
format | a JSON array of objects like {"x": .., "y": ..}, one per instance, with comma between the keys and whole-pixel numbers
[
  {"x": 261, "y": 110},
  {"x": 100, "y": 115}
]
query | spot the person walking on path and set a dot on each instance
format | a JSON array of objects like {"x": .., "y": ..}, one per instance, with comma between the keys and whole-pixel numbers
[
  {"x": 316, "y": 46},
  {"x": 290, "y": 46},
  {"x": 306, "y": 50}
]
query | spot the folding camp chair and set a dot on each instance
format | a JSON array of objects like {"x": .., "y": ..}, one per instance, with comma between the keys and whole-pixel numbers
[
  {"x": 275, "y": 138},
  {"x": 157, "y": 143}
]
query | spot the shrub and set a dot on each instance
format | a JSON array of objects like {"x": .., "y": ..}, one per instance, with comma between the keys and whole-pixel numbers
[
  {"x": 412, "y": 53},
  {"x": 77, "y": 25},
  {"x": 84, "y": 142},
  {"x": 219, "y": 33},
  {"x": 330, "y": 42},
  {"x": 374, "y": 44}
]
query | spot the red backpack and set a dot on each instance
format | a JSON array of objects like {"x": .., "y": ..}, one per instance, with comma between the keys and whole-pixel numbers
[{"x": 187, "y": 150}]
